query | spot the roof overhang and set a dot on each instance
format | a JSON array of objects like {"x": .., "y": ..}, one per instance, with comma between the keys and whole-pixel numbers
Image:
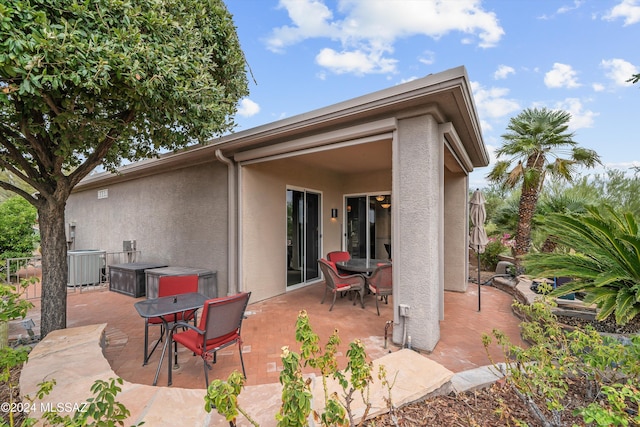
[{"x": 446, "y": 96}]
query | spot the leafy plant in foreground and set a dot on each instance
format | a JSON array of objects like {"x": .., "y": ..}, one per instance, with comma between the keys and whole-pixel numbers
[
  {"x": 538, "y": 373},
  {"x": 297, "y": 395}
]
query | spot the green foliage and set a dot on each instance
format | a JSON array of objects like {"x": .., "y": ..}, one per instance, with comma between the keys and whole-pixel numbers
[
  {"x": 601, "y": 252},
  {"x": 296, "y": 389},
  {"x": 490, "y": 258},
  {"x": 296, "y": 392},
  {"x": 538, "y": 373},
  {"x": 13, "y": 305},
  {"x": 18, "y": 237},
  {"x": 99, "y": 411},
  {"x": 9, "y": 359},
  {"x": 531, "y": 150},
  {"x": 223, "y": 397},
  {"x": 617, "y": 188},
  {"x": 133, "y": 76},
  {"x": 95, "y": 83},
  {"x": 622, "y": 399}
]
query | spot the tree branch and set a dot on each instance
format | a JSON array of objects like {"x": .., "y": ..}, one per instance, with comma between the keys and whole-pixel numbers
[
  {"x": 14, "y": 153},
  {"x": 96, "y": 157},
  {"x": 51, "y": 104},
  {"x": 33, "y": 200}
]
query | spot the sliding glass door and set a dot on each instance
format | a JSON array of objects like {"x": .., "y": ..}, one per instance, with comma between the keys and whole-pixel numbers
[
  {"x": 303, "y": 236},
  {"x": 368, "y": 226}
]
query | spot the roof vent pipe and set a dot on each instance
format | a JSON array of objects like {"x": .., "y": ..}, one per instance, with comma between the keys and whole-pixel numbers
[{"x": 232, "y": 224}]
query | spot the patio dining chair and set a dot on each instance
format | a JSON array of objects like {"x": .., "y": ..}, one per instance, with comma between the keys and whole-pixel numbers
[
  {"x": 380, "y": 284},
  {"x": 169, "y": 286},
  {"x": 338, "y": 256},
  {"x": 335, "y": 282},
  {"x": 219, "y": 327}
]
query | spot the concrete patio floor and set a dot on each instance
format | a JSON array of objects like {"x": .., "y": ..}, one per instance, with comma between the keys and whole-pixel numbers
[{"x": 270, "y": 325}]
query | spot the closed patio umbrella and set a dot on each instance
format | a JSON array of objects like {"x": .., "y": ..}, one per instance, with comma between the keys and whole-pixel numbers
[{"x": 478, "y": 236}]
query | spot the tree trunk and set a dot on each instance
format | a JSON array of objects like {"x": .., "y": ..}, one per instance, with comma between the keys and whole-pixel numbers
[
  {"x": 528, "y": 201},
  {"x": 54, "y": 266},
  {"x": 549, "y": 244}
]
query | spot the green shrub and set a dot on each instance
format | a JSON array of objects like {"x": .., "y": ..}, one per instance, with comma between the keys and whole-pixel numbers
[
  {"x": 537, "y": 373},
  {"x": 497, "y": 246}
]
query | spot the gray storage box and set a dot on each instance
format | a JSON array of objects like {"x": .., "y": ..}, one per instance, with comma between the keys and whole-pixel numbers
[
  {"x": 129, "y": 279},
  {"x": 207, "y": 279}
]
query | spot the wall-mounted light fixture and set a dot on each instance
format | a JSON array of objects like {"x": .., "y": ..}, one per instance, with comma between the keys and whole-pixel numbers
[{"x": 334, "y": 213}]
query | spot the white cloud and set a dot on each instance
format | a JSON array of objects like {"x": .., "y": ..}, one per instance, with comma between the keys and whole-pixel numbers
[
  {"x": 629, "y": 10},
  {"x": 492, "y": 103},
  {"x": 598, "y": 87},
  {"x": 356, "y": 62},
  {"x": 580, "y": 118},
  {"x": 619, "y": 71},
  {"x": 310, "y": 18},
  {"x": 409, "y": 79},
  {"x": 564, "y": 9},
  {"x": 503, "y": 72},
  {"x": 248, "y": 108},
  {"x": 368, "y": 29},
  {"x": 561, "y": 75},
  {"x": 428, "y": 57}
]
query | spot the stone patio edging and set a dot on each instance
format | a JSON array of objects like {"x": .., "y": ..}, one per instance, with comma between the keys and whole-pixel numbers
[{"x": 74, "y": 358}]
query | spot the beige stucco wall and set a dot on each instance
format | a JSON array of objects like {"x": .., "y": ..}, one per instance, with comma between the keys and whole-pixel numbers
[
  {"x": 177, "y": 217},
  {"x": 263, "y": 215},
  {"x": 418, "y": 234},
  {"x": 456, "y": 230}
]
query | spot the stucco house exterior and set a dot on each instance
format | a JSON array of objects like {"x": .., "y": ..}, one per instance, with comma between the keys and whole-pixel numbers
[{"x": 256, "y": 206}]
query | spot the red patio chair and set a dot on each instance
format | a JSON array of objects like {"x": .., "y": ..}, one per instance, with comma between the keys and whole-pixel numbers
[
  {"x": 380, "y": 283},
  {"x": 219, "y": 327},
  {"x": 338, "y": 256},
  {"x": 335, "y": 282},
  {"x": 168, "y": 286}
]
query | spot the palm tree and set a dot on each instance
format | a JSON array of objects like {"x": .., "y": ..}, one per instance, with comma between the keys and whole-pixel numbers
[
  {"x": 601, "y": 253},
  {"x": 535, "y": 140}
]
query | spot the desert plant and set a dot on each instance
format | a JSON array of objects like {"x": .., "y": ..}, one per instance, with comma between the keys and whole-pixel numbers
[
  {"x": 538, "y": 373},
  {"x": 601, "y": 253},
  {"x": 500, "y": 245}
]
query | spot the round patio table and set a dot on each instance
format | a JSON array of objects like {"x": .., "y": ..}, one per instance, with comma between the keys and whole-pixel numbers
[{"x": 361, "y": 265}]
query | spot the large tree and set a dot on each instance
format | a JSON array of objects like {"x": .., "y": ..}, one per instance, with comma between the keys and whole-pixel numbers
[
  {"x": 533, "y": 145},
  {"x": 89, "y": 83}
]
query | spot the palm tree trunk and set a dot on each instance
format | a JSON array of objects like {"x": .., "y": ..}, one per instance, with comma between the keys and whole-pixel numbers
[
  {"x": 550, "y": 244},
  {"x": 528, "y": 201}
]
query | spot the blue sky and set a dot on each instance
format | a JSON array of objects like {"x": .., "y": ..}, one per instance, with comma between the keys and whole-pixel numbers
[{"x": 571, "y": 55}]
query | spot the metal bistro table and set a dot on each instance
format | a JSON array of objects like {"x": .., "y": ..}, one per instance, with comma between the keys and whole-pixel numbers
[
  {"x": 165, "y": 308},
  {"x": 361, "y": 265}
]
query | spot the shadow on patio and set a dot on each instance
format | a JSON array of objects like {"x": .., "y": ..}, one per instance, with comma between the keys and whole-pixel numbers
[{"x": 270, "y": 325}]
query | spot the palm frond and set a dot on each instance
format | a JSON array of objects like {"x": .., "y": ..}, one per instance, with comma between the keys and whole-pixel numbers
[{"x": 601, "y": 254}]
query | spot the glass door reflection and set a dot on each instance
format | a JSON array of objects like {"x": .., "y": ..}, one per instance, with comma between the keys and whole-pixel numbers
[
  {"x": 303, "y": 236},
  {"x": 368, "y": 226}
]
